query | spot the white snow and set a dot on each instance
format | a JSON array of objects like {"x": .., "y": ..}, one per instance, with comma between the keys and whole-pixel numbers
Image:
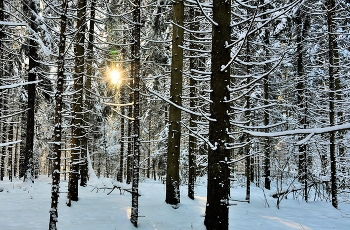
[
  {"x": 9, "y": 143},
  {"x": 18, "y": 84},
  {"x": 26, "y": 206}
]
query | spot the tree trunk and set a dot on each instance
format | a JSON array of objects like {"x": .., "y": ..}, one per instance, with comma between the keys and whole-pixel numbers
[
  {"x": 332, "y": 71},
  {"x": 77, "y": 126},
  {"x": 10, "y": 151},
  {"x": 30, "y": 8},
  {"x": 2, "y": 91},
  {"x": 4, "y": 138},
  {"x": 218, "y": 189},
  {"x": 122, "y": 133},
  {"x": 123, "y": 99},
  {"x": 301, "y": 98},
  {"x": 15, "y": 160},
  {"x": 130, "y": 144},
  {"x": 22, "y": 168},
  {"x": 192, "y": 140},
  {"x": 148, "y": 173},
  {"x": 247, "y": 116},
  {"x": 267, "y": 144},
  {"x": 174, "y": 136},
  {"x": 88, "y": 98},
  {"x": 136, "y": 134},
  {"x": 56, "y": 156}
]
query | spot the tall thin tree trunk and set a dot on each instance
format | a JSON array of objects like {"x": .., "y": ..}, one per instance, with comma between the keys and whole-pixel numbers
[
  {"x": 77, "y": 126},
  {"x": 218, "y": 189},
  {"x": 122, "y": 139},
  {"x": 88, "y": 99},
  {"x": 148, "y": 173},
  {"x": 2, "y": 91},
  {"x": 10, "y": 151},
  {"x": 332, "y": 71},
  {"x": 56, "y": 156},
  {"x": 192, "y": 140},
  {"x": 22, "y": 168},
  {"x": 15, "y": 160},
  {"x": 247, "y": 115},
  {"x": 4, "y": 133},
  {"x": 174, "y": 136},
  {"x": 129, "y": 156},
  {"x": 120, "y": 175},
  {"x": 267, "y": 144},
  {"x": 136, "y": 134},
  {"x": 30, "y": 7},
  {"x": 130, "y": 140},
  {"x": 301, "y": 98}
]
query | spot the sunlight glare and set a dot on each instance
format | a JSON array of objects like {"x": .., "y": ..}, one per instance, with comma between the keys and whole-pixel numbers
[{"x": 115, "y": 77}]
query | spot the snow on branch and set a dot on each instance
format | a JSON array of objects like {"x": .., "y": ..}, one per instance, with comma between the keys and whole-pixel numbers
[
  {"x": 13, "y": 114},
  {"x": 114, "y": 104},
  {"x": 19, "y": 84},
  {"x": 224, "y": 67},
  {"x": 129, "y": 118},
  {"x": 311, "y": 132},
  {"x": 12, "y": 23},
  {"x": 279, "y": 12},
  {"x": 197, "y": 134},
  {"x": 172, "y": 103},
  {"x": 9, "y": 143},
  {"x": 205, "y": 15}
]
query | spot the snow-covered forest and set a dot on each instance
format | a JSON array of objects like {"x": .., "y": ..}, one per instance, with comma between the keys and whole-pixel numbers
[{"x": 190, "y": 113}]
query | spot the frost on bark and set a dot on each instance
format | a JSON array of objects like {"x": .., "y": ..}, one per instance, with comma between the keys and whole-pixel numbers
[
  {"x": 77, "y": 126},
  {"x": 56, "y": 156},
  {"x": 172, "y": 176},
  {"x": 218, "y": 189},
  {"x": 136, "y": 137}
]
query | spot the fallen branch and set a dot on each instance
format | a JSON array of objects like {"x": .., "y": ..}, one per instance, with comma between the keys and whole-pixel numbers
[
  {"x": 286, "y": 192},
  {"x": 121, "y": 190}
]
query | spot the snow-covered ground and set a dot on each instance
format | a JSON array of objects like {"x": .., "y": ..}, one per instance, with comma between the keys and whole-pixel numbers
[{"x": 26, "y": 206}]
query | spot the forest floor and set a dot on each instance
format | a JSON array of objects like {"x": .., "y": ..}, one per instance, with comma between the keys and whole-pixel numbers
[{"x": 26, "y": 206}]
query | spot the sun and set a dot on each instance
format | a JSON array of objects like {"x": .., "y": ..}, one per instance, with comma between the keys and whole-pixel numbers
[{"x": 115, "y": 76}]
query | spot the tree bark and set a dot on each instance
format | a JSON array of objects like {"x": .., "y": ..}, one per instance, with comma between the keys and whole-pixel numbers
[
  {"x": 31, "y": 10},
  {"x": 56, "y": 156},
  {"x": 77, "y": 126},
  {"x": 218, "y": 189},
  {"x": 136, "y": 135},
  {"x": 2, "y": 133},
  {"x": 192, "y": 140},
  {"x": 122, "y": 134},
  {"x": 88, "y": 98},
  {"x": 130, "y": 144},
  {"x": 332, "y": 71},
  {"x": 174, "y": 136},
  {"x": 301, "y": 97},
  {"x": 267, "y": 144}
]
